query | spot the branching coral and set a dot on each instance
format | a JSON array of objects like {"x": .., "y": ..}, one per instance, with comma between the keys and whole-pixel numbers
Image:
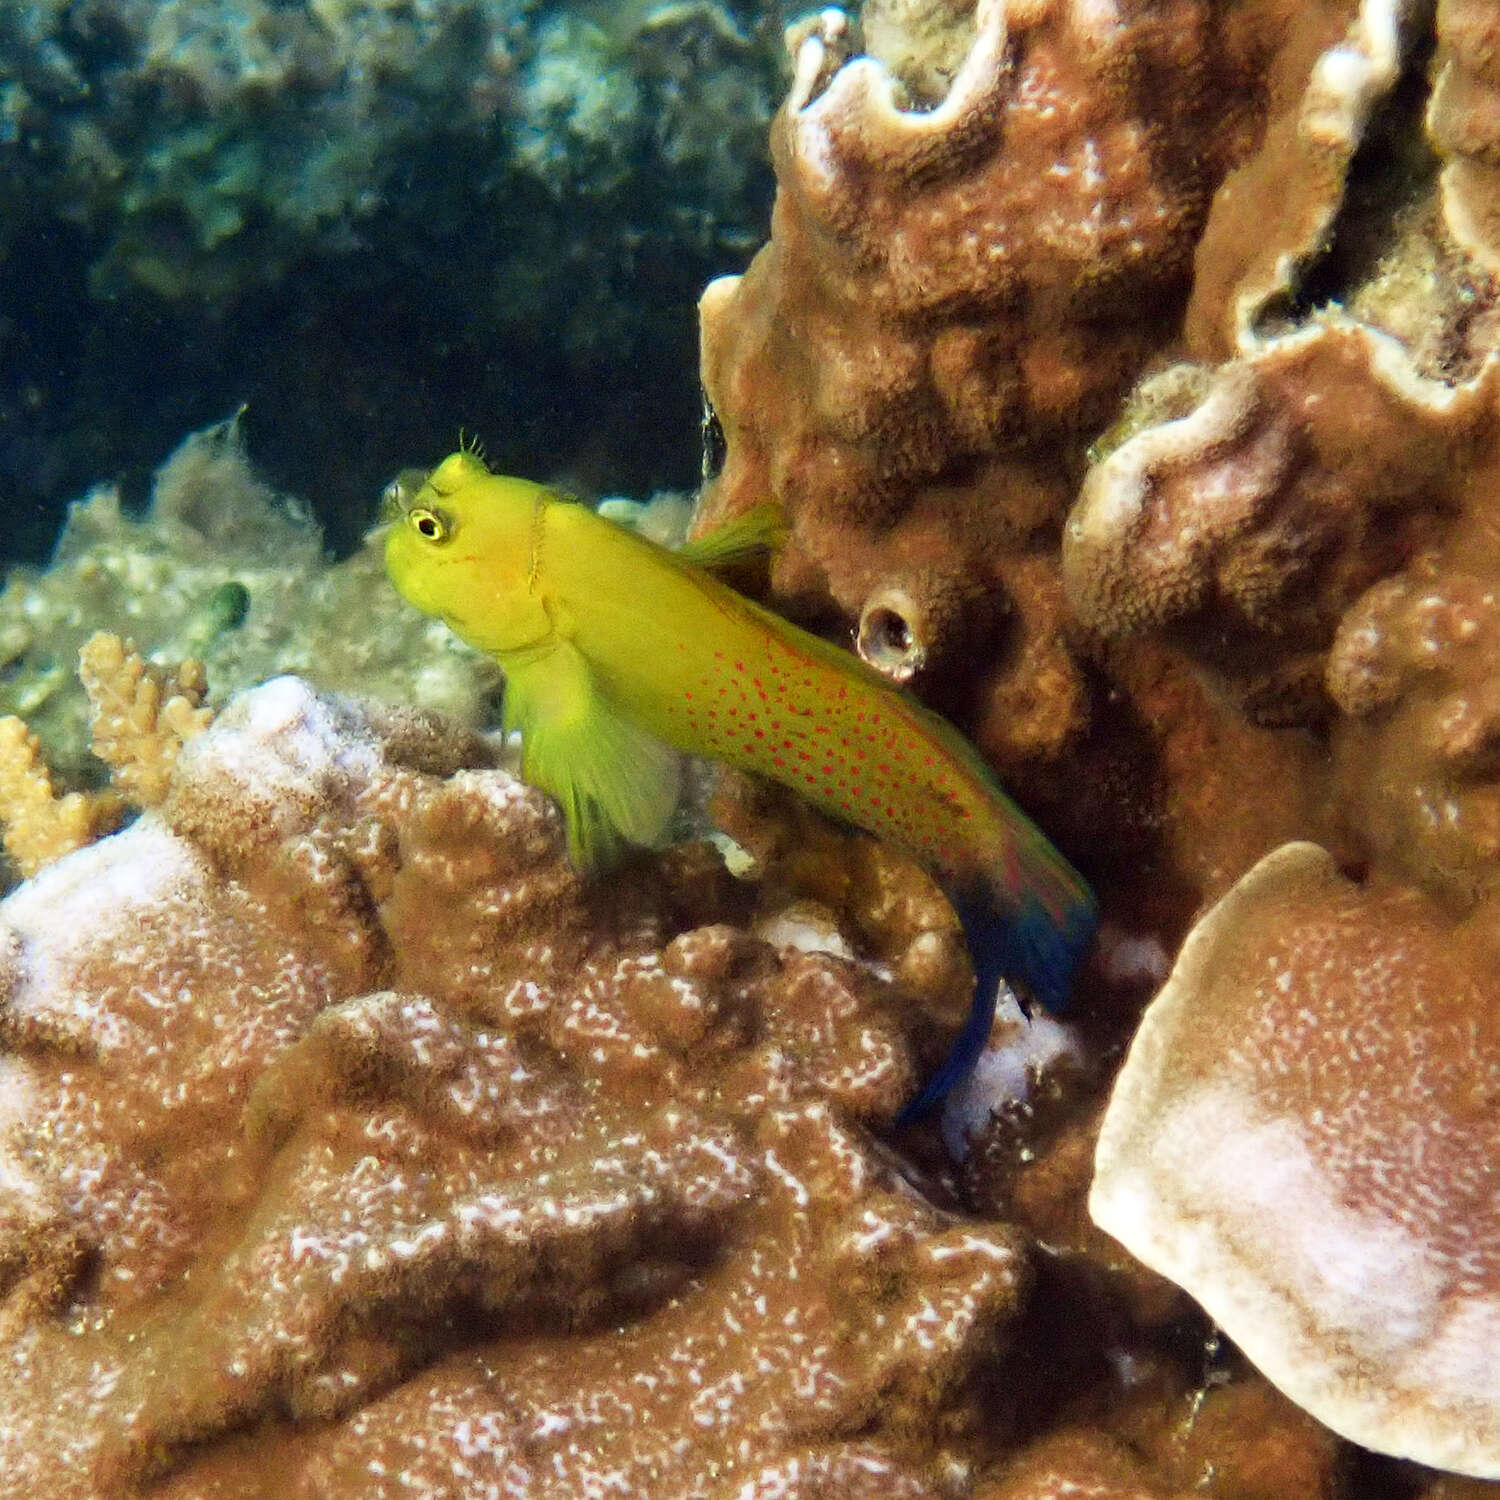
[
  {"x": 224, "y": 569},
  {"x": 141, "y": 715},
  {"x": 39, "y": 824}
]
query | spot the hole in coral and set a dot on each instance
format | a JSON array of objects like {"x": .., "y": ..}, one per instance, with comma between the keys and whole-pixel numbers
[
  {"x": 888, "y": 641},
  {"x": 889, "y": 633}
]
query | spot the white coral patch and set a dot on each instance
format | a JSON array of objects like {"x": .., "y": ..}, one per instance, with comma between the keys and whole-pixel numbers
[{"x": 1019, "y": 1052}]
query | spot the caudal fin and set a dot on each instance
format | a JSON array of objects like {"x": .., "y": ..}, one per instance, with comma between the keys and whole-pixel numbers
[
  {"x": 1041, "y": 948},
  {"x": 1045, "y": 913},
  {"x": 1031, "y": 932}
]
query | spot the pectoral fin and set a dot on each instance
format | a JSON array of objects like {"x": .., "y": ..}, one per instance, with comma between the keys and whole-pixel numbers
[
  {"x": 616, "y": 784},
  {"x": 737, "y": 541}
]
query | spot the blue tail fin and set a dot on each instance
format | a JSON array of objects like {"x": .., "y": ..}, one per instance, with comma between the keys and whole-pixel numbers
[
  {"x": 1028, "y": 947},
  {"x": 1041, "y": 953}
]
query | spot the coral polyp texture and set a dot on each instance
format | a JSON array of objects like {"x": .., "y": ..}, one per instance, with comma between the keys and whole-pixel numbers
[
  {"x": 484, "y": 1178},
  {"x": 1245, "y": 528},
  {"x": 1303, "y": 1135},
  {"x": 1127, "y": 376},
  {"x": 956, "y": 289}
]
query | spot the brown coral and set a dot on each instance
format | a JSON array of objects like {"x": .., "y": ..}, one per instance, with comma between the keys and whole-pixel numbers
[
  {"x": 140, "y": 715},
  {"x": 1464, "y": 118},
  {"x": 1274, "y": 214},
  {"x": 338, "y": 1099},
  {"x": 40, "y": 824},
  {"x": 1250, "y": 525},
  {"x": 951, "y": 296},
  {"x": 1418, "y": 752}
]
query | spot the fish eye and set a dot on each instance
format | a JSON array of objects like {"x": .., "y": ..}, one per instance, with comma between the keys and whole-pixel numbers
[{"x": 428, "y": 524}]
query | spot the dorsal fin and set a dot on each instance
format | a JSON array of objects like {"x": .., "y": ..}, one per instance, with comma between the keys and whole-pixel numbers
[{"x": 739, "y": 540}]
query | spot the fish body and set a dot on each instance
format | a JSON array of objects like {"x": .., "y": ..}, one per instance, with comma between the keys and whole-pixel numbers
[{"x": 614, "y": 648}]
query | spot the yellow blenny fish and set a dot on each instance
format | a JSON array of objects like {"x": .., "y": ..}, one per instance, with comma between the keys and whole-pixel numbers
[{"x": 618, "y": 653}]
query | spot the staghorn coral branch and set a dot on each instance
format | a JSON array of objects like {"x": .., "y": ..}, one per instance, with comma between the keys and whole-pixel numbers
[
  {"x": 41, "y": 826},
  {"x": 140, "y": 714}
]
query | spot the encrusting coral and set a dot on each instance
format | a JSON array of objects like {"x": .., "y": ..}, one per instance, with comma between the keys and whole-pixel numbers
[
  {"x": 1412, "y": 670},
  {"x": 484, "y": 1176},
  {"x": 954, "y": 292},
  {"x": 1246, "y": 527},
  {"x": 353, "y": 1146},
  {"x": 1302, "y": 1133},
  {"x": 1271, "y": 615}
]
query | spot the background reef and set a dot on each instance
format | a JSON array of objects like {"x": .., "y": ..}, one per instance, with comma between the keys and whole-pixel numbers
[
  {"x": 373, "y": 222},
  {"x": 1126, "y": 373}
]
